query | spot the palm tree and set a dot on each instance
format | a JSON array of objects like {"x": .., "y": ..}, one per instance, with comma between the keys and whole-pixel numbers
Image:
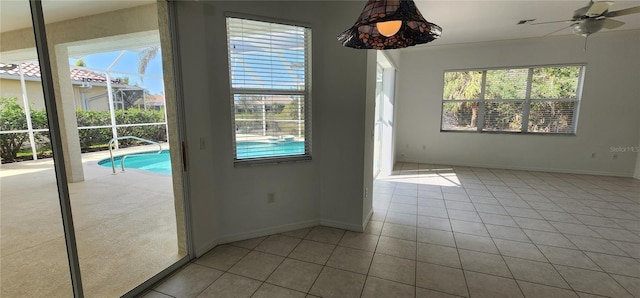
[
  {"x": 464, "y": 85},
  {"x": 144, "y": 57}
]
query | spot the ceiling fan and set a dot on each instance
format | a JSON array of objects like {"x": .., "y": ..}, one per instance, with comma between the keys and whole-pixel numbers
[{"x": 593, "y": 17}]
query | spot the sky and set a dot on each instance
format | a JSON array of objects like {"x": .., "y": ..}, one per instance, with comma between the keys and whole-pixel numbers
[{"x": 128, "y": 65}]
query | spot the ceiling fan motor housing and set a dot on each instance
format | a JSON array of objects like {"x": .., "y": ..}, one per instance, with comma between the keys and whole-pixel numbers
[
  {"x": 594, "y": 17},
  {"x": 588, "y": 27}
]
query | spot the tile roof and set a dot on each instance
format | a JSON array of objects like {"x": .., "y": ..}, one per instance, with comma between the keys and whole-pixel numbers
[
  {"x": 77, "y": 74},
  {"x": 154, "y": 99}
]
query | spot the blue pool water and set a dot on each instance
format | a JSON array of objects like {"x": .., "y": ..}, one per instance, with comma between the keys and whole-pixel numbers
[
  {"x": 261, "y": 149},
  {"x": 161, "y": 163},
  {"x": 158, "y": 163}
]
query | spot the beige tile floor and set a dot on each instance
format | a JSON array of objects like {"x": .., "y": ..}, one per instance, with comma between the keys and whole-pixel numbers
[
  {"x": 125, "y": 229},
  {"x": 446, "y": 232}
]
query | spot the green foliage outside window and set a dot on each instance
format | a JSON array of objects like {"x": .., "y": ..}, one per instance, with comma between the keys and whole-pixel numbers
[
  {"x": 12, "y": 117},
  {"x": 281, "y": 119},
  {"x": 549, "y": 108}
]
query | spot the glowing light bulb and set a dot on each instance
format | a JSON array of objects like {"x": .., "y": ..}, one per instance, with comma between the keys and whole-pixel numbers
[{"x": 389, "y": 28}]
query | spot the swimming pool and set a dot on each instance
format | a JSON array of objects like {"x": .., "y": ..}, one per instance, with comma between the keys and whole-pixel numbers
[
  {"x": 262, "y": 149},
  {"x": 161, "y": 163},
  {"x": 157, "y": 163}
]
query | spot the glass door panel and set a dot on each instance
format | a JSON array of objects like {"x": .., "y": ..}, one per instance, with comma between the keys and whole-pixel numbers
[
  {"x": 33, "y": 254},
  {"x": 109, "y": 84}
]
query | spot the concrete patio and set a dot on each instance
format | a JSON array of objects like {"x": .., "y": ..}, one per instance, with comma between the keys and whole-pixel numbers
[{"x": 125, "y": 228}]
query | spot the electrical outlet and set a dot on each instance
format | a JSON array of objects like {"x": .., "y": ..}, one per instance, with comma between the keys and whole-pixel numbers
[{"x": 271, "y": 198}]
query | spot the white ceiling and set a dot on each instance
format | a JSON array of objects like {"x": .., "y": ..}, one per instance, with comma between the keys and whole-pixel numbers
[
  {"x": 462, "y": 21},
  {"x": 16, "y": 14},
  {"x": 480, "y": 20}
]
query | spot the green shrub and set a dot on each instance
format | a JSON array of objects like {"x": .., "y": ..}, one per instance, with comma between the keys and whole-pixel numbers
[
  {"x": 101, "y": 136},
  {"x": 12, "y": 117},
  {"x": 93, "y": 136}
]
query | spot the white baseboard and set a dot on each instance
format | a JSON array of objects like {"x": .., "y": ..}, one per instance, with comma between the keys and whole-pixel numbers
[
  {"x": 366, "y": 219},
  {"x": 255, "y": 233},
  {"x": 201, "y": 250},
  {"x": 519, "y": 168},
  {"x": 342, "y": 225}
]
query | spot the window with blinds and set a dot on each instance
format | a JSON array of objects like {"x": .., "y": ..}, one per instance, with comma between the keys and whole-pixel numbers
[
  {"x": 270, "y": 83},
  {"x": 522, "y": 100}
]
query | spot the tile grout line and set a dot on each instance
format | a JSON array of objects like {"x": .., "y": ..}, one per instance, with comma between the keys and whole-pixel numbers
[
  {"x": 253, "y": 249},
  {"x": 484, "y": 224},
  {"x": 502, "y": 256},
  {"x": 287, "y": 257},
  {"x": 538, "y": 249},
  {"x": 325, "y": 262},
  {"x": 236, "y": 262},
  {"x": 557, "y": 232},
  {"x": 609, "y": 274},
  {"x": 549, "y": 261},
  {"x": 554, "y": 266},
  {"x": 283, "y": 259},
  {"x": 464, "y": 276},
  {"x": 375, "y": 249}
]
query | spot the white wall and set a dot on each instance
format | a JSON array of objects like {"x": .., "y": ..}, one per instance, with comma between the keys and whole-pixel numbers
[
  {"x": 230, "y": 203},
  {"x": 608, "y": 113},
  {"x": 393, "y": 56}
]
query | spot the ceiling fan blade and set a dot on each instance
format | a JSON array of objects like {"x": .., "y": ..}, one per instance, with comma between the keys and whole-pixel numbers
[
  {"x": 552, "y": 22},
  {"x": 598, "y": 8},
  {"x": 563, "y": 28},
  {"x": 612, "y": 24},
  {"x": 622, "y": 12}
]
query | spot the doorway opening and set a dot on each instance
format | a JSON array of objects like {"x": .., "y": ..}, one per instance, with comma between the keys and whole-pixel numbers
[{"x": 384, "y": 116}]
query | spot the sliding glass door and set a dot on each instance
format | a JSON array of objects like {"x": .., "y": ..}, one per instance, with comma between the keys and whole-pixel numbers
[
  {"x": 33, "y": 254},
  {"x": 116, "y": 145}
]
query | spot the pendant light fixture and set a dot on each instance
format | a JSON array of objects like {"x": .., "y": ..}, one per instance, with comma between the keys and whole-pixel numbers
[{"x": 389, "y": 24}]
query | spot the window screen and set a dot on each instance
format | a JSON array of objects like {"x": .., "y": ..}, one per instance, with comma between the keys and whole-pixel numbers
[
  {"x": 531, "y": 100},
  {"x": 270, "y": 83}
]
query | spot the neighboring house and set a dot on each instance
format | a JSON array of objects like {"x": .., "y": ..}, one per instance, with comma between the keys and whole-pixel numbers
[
  {"x": 255, "y": 104},
  {"x": 153, "y": 102},
  {"x": 89, "y": 89}
]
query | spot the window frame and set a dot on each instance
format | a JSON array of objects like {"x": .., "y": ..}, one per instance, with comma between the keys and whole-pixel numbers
[
  {"x": 526, "y": 101},
  {"x": 306, "y": 94}
]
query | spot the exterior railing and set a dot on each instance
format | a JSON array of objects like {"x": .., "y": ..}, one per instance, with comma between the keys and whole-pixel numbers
[{"x": 112, "y": 142}]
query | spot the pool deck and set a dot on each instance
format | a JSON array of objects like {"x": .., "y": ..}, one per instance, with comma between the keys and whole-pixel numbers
[{"x": 124, "y": 224}]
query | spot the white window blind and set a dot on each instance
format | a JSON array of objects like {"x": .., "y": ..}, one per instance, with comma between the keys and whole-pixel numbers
[
  {"x": 523, "y": 100},
  {"x": 270, "y": 83}
]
